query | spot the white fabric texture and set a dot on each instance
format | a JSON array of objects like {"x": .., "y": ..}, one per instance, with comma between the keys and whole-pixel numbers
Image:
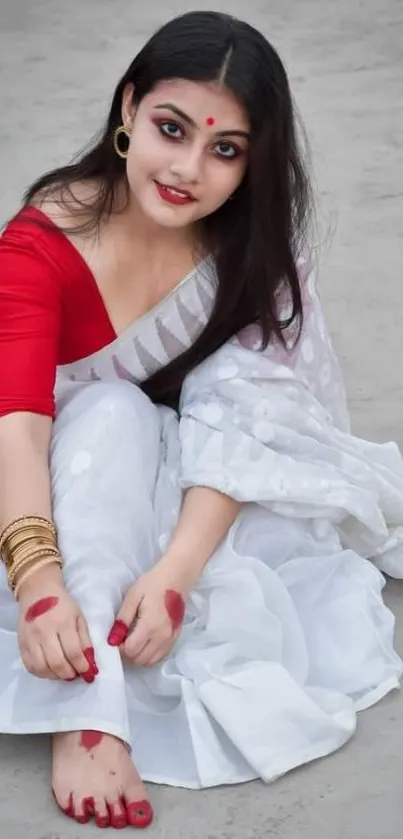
[{"x": 286, "y": 635}]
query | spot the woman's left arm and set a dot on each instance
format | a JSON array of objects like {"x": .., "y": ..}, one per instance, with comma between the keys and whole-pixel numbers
[
  {"x": 151, "y": 616},
  {"x": 205, "y": 520}
]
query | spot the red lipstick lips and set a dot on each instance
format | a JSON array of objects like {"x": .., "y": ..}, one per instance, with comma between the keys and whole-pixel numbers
[{"x": 172, "y": 195}]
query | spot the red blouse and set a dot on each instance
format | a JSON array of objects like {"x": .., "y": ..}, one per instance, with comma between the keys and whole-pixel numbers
[{"x": 51, "y": 312}]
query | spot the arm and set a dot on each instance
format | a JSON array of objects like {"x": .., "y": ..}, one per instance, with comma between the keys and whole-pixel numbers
[
  {"x": 24, "y": 478},
  {"x": 205, "y": 520},
  {"x": 156, "y": 602},
  {"x": 52, "y": 633}
]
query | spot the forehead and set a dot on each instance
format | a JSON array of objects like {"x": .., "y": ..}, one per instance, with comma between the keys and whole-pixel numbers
[{"x": 201, "y": 100}]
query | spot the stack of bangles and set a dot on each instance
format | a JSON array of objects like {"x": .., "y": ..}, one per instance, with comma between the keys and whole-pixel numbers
[{"x": 26, "y": 545}]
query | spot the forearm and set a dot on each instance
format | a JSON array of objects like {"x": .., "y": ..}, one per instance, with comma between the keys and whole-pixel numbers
[
  {"x": 205, "y": 520},
  {"x": 24, "y": 472}
]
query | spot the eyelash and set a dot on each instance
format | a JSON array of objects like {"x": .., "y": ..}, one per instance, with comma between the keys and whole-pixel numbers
[{"x": 160, "y": 123}]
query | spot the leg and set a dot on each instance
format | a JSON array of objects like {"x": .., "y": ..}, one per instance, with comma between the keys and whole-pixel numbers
[{"x": 104, "y": 463}]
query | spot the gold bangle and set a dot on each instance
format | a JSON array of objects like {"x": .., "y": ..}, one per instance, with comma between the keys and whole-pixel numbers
[
  {"x": 37, "y": 565},
  {"x": 33, "y": 556},
  {"x": 27, "y": 547},
  {"x": 24, "y": 534},
  {"x": 15, "y": 542},
  {"x": 30, "y": 547},
  {"x": 23, "y": 522}
]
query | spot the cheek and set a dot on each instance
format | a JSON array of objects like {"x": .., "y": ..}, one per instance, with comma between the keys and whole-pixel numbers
[
  {"x": 223, "y": 179},
  {"x": 146, "y": 157}
]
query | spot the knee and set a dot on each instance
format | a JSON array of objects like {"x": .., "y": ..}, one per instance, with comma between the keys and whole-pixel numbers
[{"x": 108, "y": 409}]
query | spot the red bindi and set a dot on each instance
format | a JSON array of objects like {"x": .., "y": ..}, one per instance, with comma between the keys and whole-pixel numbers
[
  {"x": 175, "y": 606},
  {"x": 40, "y": 608},
  {"x": 210, "y": 121}
]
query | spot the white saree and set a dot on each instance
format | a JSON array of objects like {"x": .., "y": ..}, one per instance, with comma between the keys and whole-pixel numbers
[{"x": 286, "y": 635}]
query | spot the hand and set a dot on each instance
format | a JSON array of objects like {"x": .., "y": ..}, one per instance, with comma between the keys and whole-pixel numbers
[
  {"x": 156, "y": 606},
  {"x": 52, "y": 632}
]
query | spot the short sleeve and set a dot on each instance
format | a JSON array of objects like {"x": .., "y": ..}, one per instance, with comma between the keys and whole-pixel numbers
[{"x": 30, "y": 322}]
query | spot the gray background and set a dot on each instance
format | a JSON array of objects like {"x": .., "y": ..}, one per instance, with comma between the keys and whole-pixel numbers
[{"x": 59, "y": 62}]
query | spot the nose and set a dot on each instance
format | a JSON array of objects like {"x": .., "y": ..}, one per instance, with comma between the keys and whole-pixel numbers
[{"x": 187, "y": 167}]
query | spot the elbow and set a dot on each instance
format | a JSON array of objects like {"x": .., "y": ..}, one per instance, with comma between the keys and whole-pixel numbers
[{"x": 23, "y": 431}]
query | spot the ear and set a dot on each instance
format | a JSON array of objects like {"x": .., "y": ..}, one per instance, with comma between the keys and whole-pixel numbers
[{"x": 128, "y": 105}]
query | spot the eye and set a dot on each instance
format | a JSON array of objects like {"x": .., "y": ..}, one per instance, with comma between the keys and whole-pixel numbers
[
  {"x": 227, "y": 150},
  {"x": 171, "y": 129}
]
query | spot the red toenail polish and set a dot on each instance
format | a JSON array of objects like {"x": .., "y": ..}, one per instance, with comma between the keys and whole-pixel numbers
[
  {"x": 102, "y": 821},
  {"x": 139, "y": 813},
  {"x": 82, "y": 819},
  {"x": 69, "y": 811},
  {"x": 118, "y": 634}
]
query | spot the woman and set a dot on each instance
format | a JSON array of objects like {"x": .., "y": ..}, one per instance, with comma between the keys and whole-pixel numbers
[{"x": 186, "y": 596}]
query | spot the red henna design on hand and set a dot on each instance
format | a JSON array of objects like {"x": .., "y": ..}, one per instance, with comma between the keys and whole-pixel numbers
[
  {"x": 40, "y": 608},
  {"x": 90, "y": 739},
  {"x": 118, "y": 634},
  {"x": 175, "y": 606}
]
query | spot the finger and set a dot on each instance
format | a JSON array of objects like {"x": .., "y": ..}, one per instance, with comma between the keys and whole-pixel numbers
[
  {"x": 82, "y": 661},
  {"x": 34, "y": 661},
  {"x": 55, "y": 658},
  {"x": 125, "y": 617},
  {"x": 137, "y": 640},
  {"x": 87, "y": 664},
  {"x": 135, "y": 659},
  {"x": 157, "y": 657},
  {"x": 145, "y": 655}
]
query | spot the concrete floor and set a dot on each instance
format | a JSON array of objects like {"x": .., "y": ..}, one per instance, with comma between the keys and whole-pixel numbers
[{"x": 58, "y": 65}]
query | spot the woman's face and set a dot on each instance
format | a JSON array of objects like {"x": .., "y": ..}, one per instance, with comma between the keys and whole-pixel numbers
[{"x": 188, "y": 150}]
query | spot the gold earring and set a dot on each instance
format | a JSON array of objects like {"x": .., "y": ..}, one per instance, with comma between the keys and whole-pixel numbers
[{"x": 118, "y": 131}]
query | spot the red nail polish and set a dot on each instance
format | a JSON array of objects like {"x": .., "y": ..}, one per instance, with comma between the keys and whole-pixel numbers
[
  {"x": 101, "y": 821},
  {"x": 90, "y": 656},
  {"x": 118, "y": 634},
  {"x": 82, "y": 819},
  {"x": 139, "y": 813},
  {"x": 69, "y": 810}
]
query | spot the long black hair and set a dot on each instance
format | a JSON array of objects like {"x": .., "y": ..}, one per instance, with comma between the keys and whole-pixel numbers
[{"x": 257, "y": 236}]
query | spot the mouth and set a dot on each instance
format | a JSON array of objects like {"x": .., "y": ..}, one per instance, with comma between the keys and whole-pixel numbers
[{"x": 173, "y": 195}]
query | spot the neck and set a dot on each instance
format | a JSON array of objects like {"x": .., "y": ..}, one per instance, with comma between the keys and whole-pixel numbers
[{"x": 139, "y": 229}]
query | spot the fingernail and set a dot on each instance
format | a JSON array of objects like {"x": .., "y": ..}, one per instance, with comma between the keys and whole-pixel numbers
[
  {"x": 118, "y": 634},
  {"x": 89, "y": 676},
  {"x": 90, "y": 656}
]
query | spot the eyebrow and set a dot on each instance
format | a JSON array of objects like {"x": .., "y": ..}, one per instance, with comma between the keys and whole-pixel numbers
[{"x": 186, "y": 118}]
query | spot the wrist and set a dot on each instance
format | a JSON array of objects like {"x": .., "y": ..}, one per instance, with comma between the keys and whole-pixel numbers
[
  {"x": 178, "y": 571},
  {"x": 43, "y": 579}
]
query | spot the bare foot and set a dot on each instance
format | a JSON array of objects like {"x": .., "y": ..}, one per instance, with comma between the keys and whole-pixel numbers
[{"x": 94, "y": 777}]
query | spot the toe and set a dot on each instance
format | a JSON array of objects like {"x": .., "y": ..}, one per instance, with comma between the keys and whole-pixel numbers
[
  {"x": 101, "y": 813},
  {"x": 118, "y": 814},
  {"x": 139, "y": 813},
  {"x": 67, "y": 807}
]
